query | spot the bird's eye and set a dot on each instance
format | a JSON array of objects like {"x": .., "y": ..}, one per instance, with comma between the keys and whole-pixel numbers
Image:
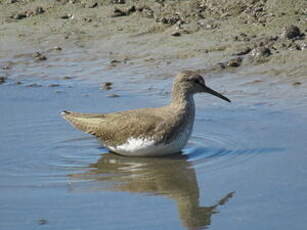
[{"x": 198, "y": 81}]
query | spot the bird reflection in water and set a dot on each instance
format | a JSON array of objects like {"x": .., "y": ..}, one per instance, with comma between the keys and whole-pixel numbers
[{"x": 173, "y": 177}]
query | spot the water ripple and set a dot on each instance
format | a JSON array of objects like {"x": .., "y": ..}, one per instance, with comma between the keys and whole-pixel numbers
[{"x": 218, "y": 151}]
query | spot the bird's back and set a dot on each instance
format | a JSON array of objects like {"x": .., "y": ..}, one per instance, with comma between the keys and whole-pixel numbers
[{"x": 138, "y": 132}]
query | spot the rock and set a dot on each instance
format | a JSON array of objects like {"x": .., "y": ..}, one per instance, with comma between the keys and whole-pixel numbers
[
  {"x": 217, "y": 67},
  {"x": 170, "y": 19},
  {"x": 291, "y": 32},
  {"x": 107, "y": 86},
  {"x": 131, "y": 9},
  {"x": 114, "y": 61},
  {"x": 261, "y": 52},
  {"x": 146, "y": 12},
  {"x": 19, "y": 16},
  {"x": 297, "y": 83},
  {"x": 53, "y": 85},
  {"x": 42, "y": 221},
  {"x": 7, "y": 66},
  {"x": 87, "y": 20},
  {"x": 118, "y": 13},
  {"x": 113, "y": 95},
  {"x": 123, "y": 12},
  {"x": 67, "y": 78},
  {"x": 57, "y": 48},
  {"x": 92, "y": 5},
  {"x": 39, "y": 10},
  {"x": 12, "y": 1},
  {"x": 18, "y": 83},
  {"x": 243, "y": 51},
  {"x": 2, "y": 80},
  {"x": 34, "y": 85},
  {"x": 28, "y": 13},
  {"x": 67, "y": 16},
  {"x": 242, "y": 37},
  {"x": 39, "y": 57},
  {"x": 176, "y": 34},
  {"x": 235, "y": 62},
  {"x": 118, "y": 1}
]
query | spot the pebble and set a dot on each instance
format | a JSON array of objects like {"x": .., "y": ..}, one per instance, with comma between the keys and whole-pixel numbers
[
  {"x": 244, "y": 51},
  {"x": 235, "y": 62},
  {"x": 291, "y": 32},
  {"x": 42, "y": 221},
  {"x": 19, "y": 16},
  {"x": 92, "y": 5},
  {"x": 297, "y": 83},
  {"x": 176, "y": 34},
  {"x": 119, "y": 12},
  {"x": 261, "y": 52},
  {"x": 2, "y": 80},
  {"x": 113, "y": 95},
  {"x": 118, "y": 1},
  {"x": 53, "y": 85},
  {"x": 33, "y": 85},
  {"x": 219, "y": 66},
  {"x": 39, "y": 10},
  {"x": 57, "y": 48},
  {"x": 67, "y": 16},
  {"x": 107, "y": 85},
  {"x": 114, "y": 61},
  {"x": 39, "y": 57},
  {"x": 6, "y": 66},
  {"x": 12, "y": 1}
]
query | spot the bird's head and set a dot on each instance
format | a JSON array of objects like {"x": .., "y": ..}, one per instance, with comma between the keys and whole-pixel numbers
[{"x": 191, "y": 82}]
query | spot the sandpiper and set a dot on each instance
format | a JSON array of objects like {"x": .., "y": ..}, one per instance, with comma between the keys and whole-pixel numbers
[{"x": 149, "y": 131}]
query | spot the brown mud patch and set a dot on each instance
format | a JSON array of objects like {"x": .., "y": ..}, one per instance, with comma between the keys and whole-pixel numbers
[{"x": 159, "y": 38}]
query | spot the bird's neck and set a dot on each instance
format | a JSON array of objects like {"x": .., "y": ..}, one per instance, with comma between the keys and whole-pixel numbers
[{"x": 182, "y": 101}]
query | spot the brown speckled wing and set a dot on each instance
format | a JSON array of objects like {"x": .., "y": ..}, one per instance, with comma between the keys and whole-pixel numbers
[{"x": 115, "y": 128}]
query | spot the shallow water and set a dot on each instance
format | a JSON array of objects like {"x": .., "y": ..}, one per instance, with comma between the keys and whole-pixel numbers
[{"x": 245, "y": 166}]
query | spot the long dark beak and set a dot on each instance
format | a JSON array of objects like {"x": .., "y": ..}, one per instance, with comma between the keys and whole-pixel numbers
[{"x": 213, "y": 92}]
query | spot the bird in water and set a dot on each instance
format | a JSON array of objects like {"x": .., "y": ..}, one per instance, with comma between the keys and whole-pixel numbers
[{"x": 148, "y": 131}]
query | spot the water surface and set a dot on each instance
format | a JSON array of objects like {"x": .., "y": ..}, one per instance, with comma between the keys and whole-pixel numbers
[{"x": 245, "y": 166}]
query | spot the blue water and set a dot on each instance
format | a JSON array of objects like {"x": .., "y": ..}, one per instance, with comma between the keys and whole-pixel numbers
[{"x": 245, "y": 166}]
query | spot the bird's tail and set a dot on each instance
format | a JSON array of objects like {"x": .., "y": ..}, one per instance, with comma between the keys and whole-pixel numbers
[{"x": 88, "y": 123}]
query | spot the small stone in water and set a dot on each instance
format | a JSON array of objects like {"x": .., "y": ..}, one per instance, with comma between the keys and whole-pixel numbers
[
  {"x": 2, "y": 80},
  {"x": 113, "y": 95},
  {"x": 297, "y": 83},
  {"x": 42, "y": 221},
  {"x": 235, "y": 62},
  {"x": 107, "y": 85},
  {"x": 39, "y": 57},
  {"x": 34, "y": 85},
  {"x": 54, "y": 85}
]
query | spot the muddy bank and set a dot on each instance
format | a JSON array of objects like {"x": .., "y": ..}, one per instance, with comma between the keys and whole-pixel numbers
[{"x": 245, "y": 38}]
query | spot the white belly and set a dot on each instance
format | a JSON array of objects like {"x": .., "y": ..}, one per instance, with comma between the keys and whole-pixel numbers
[
  {"x": 147, "y": 147},
  {"x": 144, "y": 146}
]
